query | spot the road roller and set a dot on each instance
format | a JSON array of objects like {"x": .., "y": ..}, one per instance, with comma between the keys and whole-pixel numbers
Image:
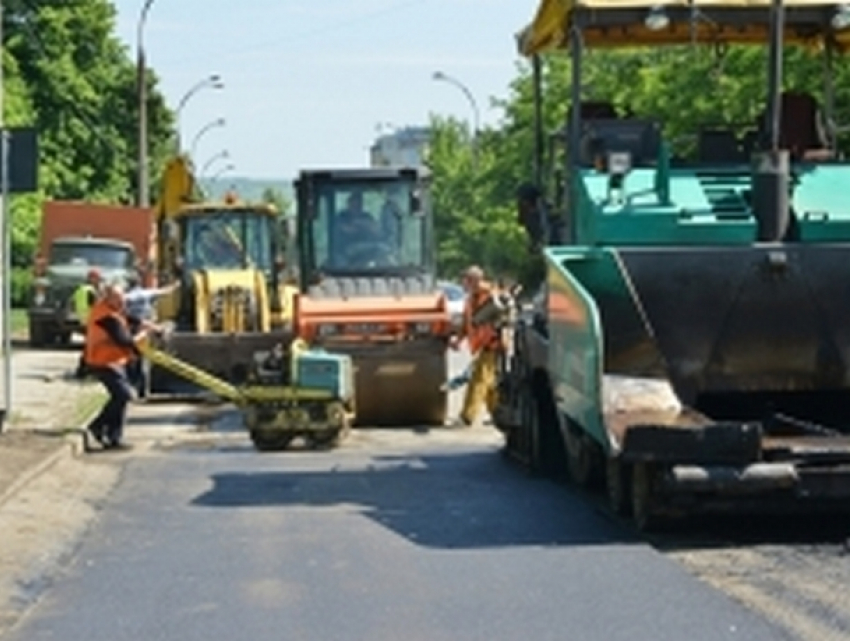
[{"x": 369, "y": 288}]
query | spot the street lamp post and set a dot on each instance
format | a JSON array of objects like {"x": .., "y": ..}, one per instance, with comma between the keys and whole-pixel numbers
[
  {"x": 222, "y": 171},
  {"x": 222, "y": 154},
  {"x": 142, "y": 91},
  {"x": 214, "y": 82},
  {"x": 218, "y": 122},
  {"x": 439, "y": 75}
]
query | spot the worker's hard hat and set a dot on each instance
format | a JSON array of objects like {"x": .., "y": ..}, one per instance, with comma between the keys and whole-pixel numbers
[{"x": 474, "y": 272}]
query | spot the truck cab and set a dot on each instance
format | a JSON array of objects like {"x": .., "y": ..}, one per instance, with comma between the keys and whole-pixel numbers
[{"x": 52, "y": 317}]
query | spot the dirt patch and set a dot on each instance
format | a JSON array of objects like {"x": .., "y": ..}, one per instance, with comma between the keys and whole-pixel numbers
[
  {"x": 801, "y": 588},
  {"x": 20, "y": 451}
]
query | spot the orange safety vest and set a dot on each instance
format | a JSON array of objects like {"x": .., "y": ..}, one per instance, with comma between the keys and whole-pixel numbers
[
  {"x": 483, "y": 336},
  {"x": 100, "y": 349}
]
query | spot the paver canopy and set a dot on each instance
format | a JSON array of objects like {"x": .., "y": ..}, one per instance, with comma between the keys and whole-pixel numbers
[{"x": 620, "y": 23}]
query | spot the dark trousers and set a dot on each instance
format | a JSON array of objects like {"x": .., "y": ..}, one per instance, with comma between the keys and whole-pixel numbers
[
  {"x": 110, "y": 421},
  {"x": 136, "y": 375}
]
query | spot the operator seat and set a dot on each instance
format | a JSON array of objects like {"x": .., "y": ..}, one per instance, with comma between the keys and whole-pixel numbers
[
  {"x": 719, "y": 146},
  {"x": 801, "y": 128},
  {"x": 591, "y": 147}
]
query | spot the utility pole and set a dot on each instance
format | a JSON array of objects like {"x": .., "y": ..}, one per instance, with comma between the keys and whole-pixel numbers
[
  {"x": 7, "y": 259},
  {"x": 142, "y": 197}
]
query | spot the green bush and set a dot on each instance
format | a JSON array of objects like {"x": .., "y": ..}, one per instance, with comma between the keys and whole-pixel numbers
[{"x": 20, "y": 285}]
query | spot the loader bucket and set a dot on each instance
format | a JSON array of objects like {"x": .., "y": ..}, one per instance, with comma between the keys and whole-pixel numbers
[
  {"x": 225, "y": 356},
  {"x": 398, "y": 384},
  {"x": 765, "y": 322}
]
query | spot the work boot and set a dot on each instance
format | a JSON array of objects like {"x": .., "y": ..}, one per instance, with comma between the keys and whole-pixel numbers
[
  {"x": 97, "y": 434},
  {"x": 461, "y": 422},
  {"x": 119, "y": 446}
]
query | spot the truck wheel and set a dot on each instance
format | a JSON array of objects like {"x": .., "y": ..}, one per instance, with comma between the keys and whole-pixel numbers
[
  {"x": 324, "y": 439},
  {"x": 271, "y": 440},
  {"x": 644, "y": 501},
  {"x": 618, "y": 483},
  {"x": 37, "y": 334}
]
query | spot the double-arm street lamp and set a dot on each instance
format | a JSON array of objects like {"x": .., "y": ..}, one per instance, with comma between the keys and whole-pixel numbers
[
  {"x": 213, "y": 82},
  {"x": 218, "y": 122},
  {"x": 222, "y": 171},
  {"x": 440, "y": 76},
  {"x": 222, "y": 154}
]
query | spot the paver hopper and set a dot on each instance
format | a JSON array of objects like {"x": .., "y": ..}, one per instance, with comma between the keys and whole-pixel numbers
[{"x": 369, "y": 289}]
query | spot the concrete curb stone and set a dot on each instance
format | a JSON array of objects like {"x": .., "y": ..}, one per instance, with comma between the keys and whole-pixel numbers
[{"x": 75, "y": 446}]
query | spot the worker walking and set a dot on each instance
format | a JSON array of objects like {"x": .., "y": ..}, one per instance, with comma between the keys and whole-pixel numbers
[
  {"x": 484, "y": 345},
  {"x": 109, "y": 348},
  {"x": 85, "y": 297}
]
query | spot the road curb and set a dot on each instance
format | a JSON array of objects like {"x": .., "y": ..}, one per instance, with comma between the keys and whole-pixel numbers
[
  {"x": 34, "y": 471},
  {"x": 75, "y": 446}
]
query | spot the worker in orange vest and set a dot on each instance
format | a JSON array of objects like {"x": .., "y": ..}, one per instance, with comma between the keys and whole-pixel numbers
[
  {"x": 485, "y": 343},
  {"x": 109, "y": 348}
]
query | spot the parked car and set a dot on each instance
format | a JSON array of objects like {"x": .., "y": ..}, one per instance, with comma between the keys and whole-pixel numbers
[{"x": 456, "y": 298}]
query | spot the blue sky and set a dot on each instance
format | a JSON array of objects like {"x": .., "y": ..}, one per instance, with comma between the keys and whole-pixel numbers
[{"x": 308, "y": 83}]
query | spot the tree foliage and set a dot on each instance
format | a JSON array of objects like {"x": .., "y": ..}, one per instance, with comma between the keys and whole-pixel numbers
[
  {"x": 684, "y": 88},
  {"x": 275, "y": 197},
  {"x": 67, "y": 74}
]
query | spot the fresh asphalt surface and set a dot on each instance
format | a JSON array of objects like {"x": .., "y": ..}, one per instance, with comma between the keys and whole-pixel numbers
[
  {"x": 449, "y": 543},
  {"x": 395, "y": 535}
]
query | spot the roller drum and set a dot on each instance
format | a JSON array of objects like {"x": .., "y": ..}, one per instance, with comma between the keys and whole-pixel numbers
[{"x": 398, "y": 385}]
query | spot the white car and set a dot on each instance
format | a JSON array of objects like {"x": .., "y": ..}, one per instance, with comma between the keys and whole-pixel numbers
[{"x": 456, "y": 299}]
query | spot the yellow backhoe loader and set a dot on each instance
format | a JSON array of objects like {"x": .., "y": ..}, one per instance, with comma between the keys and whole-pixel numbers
[{"x": 231, "y": 300}]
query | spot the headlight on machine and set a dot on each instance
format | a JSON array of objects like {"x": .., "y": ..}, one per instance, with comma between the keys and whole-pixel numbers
[
  {"x": 366, "y": 329},
  {"x": 422, "y": 328},
  {"x": 327, "y": 329}
]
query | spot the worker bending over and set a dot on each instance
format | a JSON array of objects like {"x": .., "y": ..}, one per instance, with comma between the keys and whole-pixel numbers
[
  {"x": 485, "y": 343},
  {"x": 109, "y": 348}
]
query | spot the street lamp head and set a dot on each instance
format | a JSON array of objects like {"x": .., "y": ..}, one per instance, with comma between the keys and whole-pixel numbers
[{"x": 438, "y": 75}]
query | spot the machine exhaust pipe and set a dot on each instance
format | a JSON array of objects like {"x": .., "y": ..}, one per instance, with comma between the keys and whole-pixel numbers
[
  {"x": 771, "y": 207},
  {"x": 770, "y": 172}
]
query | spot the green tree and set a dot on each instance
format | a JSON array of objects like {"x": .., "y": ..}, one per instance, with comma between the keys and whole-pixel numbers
[
  {"x": 682, "y": 87},
  {"x": 67, "y": 74},
  {"x": 276, "y": 197},
  {"x": 82, "y": 82}
]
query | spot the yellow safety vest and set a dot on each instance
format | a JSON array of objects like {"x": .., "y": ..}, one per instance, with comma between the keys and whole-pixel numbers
[{"x": 81, "y": 301}]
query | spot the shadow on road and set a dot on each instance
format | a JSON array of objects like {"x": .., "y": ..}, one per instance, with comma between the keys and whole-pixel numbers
[{"x": 462, "y": 500}]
